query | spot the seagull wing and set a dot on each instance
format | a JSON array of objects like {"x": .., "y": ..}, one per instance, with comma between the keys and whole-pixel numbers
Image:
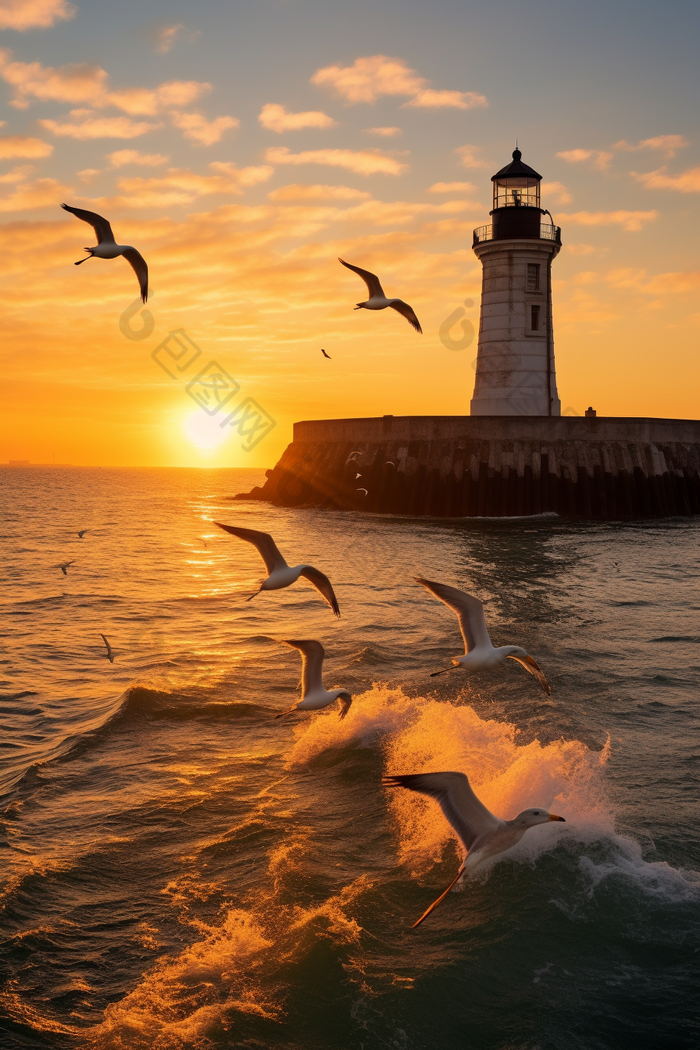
[
  {"x": 103, "y": 231},
  {"x": 323, "y": 584},
  {"x": 345, "y": 701},
  {"x": 406, "y": 311},
  {"x": 370, "y": 279},
  {"x": 312, "y": 654},
  {"x": 140, "y": 268},
  {"x": 468, "y": 816},
  {"x": 266, "y": 546},
  {"x": 326, "y": 355},
  {"x": 110, "y": 654},
  {"x": 469, "y": 610},
  {"x": 531, "y": 665}
]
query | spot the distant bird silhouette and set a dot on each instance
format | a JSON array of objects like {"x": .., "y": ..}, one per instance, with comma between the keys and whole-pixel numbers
[
  {"x": 64, "y": 566},
  {"x": 110, "y": 651},
  {"x": 107, "y": 247},
  {"x": 82, "y": 533},
  {"x": 313, "y": 694},
  {"x": 389, "y": 463},
  {"x": 363, "y": 490},
  {"x": 281, "y": 574},
  {"x": 326, "y": 355},
  {"x": 378, "y": 300}
]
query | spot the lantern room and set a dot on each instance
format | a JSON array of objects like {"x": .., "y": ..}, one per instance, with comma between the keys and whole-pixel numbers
[{"x": 516, "y": 205}]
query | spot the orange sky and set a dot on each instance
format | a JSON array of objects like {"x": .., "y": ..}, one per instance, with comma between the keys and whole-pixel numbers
[{"x": 242, "y": 224}]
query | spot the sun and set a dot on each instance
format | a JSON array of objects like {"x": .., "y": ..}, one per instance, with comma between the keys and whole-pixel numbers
[{"x": 204, "y": 431}]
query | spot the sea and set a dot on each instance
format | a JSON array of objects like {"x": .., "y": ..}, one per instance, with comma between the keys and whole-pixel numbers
[{"x": 180, "y": 869}]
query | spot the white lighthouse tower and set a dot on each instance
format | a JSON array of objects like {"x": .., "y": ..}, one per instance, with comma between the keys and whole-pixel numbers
[{"x": 515, "y": 362}]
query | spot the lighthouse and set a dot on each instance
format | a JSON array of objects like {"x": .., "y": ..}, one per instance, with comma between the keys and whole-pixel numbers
[{"x": 515, "y": 373}]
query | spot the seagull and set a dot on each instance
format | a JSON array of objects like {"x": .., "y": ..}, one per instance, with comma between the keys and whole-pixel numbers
[
  {"x": 326, "y": 355},
  {"x": 107, "y": 247},
  {"x": 313, "y": 695},
  {"x": 281, "y": 574},
  {"x": 110, "y": 651},
  {"x": 378, "y": 300},
  {"x": 480, "y": 654},
  {"x": 82, "y": 533},
  {"x": 64, "y": 567},
  {"x": 357, "y": 476},
  {"x": 362, "y": 490},
  {"x": 482, "y": 834},
  {"x": 389, "y": 463}
]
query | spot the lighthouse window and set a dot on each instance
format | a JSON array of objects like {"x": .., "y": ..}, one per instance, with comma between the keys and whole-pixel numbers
[
  {"x": 533, "y": 277},
  {"x": 534, "y": 318}
]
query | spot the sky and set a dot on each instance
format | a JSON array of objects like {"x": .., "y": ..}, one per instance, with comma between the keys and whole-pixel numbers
[{"x": 242, "y": 147}]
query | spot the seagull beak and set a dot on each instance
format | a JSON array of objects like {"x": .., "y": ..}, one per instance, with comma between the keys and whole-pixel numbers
[
  {"x": 444, "y": 670},
  {"x": 553, "y": 816}
]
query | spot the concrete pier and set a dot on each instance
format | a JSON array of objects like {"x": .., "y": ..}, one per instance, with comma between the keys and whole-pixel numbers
[{"x": 603, "y": 468}]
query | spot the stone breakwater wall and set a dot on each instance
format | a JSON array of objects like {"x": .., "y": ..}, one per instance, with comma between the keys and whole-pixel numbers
[{"x": 603, "y": 468}]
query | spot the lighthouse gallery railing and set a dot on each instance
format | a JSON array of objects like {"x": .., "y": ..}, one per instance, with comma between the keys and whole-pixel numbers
[{"x": 547, "y": 233}]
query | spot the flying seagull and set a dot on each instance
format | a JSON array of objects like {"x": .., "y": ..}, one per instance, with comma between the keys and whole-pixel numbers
[
  {"x": 107, "y": 247},
  {"x": 326, "y": 355},
  {"x": 110, "y": 651},
  {"x": 482, "y": 834},
  {"x": 313, "y": 695},
  {"x": 82, "y": 533},
  {"x": 281, "y": 574},
  {"x": 378, "y": 300},
  {"x": 480, "y": 654},
  {"x": 64, "y": 566}
]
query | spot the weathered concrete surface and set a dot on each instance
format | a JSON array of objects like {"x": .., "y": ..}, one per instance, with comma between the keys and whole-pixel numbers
[{"x": 462, "y": 466}]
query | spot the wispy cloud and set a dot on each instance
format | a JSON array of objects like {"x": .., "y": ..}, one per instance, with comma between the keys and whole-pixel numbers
[
  {"x": 555, "y": 192},
  {"x": 298, "y": 192},
  {"x": 673, "y": 283},
  {"x": 599, "y": 159},
  {"x": 121, "y": 157},
  {"x": 470, "y": 156},
  {"x": 87, "y": 84},
  {"x": 385, "y": 132},
  {"x": 373, "y": 76},
  {"x": 628, "y": 220},
  {"x": 182, "y": 186},
  {"x": 668, "y": 144},
  {"x": 276, "y": 118},
  {"x": 28, "y": 195},
  {"x": 197, "y": 128},
  {"x": 166, "y": 37},
  {"x": 363, "y": 162},
  {"x": 452, "y": 187},
  {"x": 687, "y": 182},
  {"x": 34, "y": 14},
  {"x": 24, "y": 146},
  {"x": 86, "y": 124}
]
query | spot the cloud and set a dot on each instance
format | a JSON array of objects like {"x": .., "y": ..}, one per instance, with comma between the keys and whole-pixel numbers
[
  {"x": 469, "y": 156},
  {"x": 600, "y": 160},
  {"x": 28, "y": 195},
  {"x": 385, "y": 133},
  {"x": 165, "y": 38},
  {"x": 83, "y": 83},
  {"x": 88, "y": 175},
  {"x": 276, "y": 118},
  {"x": 197, "y": 128},
  {"x": 86, "y": 124},
  {"x": 452, "y": 187},
  {"x": 132, "y": 156},
  {"x": 34, "y": 14},
  {"x": 182, "y": 186},
  {"x": 674, "y": 283},
  {"x": 686, "y": 182},
  {"x": 668, "y": 144},
  {"x": 147, "y": 102},
  {"x": 629, "y": 220},
  {"x": 363, "y": 162},
  {"x": 430, "y": 99},
  {"x": 299, "y": 192},
  {"x": 556, "y": 192},
  {"x": 24, "y": 146},
  {"x": 373, "y": 76}
]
